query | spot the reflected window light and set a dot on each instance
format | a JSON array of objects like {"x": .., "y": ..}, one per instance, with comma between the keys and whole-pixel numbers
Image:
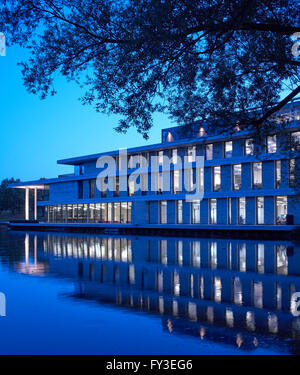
[
  {"x": 201, "y": 287},
  {"x": 179, "y": 253},
  {"x": 175, "y": 307},
  {"x": 213, "y": 255},
  {"x": 242, "y": 257},
  {"x": 281, "y": 260},
  {"x": 278, "y": 297},
  {"x": 160, "y": 281},
  {"x": 169, "y": 137},
  {"x": 196, "y": 260},
  {"x": 163, "y": 252},
  {"x": 239, "y": 340},
  {"x": 192, "y": 311},
  {"x": 229, "y": 255},
  {"x": 250, "y": 321},
  {"x": 210, "y": 314},
  {"x": 273, "y": 323},
  {"x": 176, "y": 283},
  {"x": 161, "y": 305},
  {"x": 258, "y": 294},
  {"x": 192, "y": 285},
  {"x": 237, "y": 291},
  {"x": 131, "y": 274},
  {"x": 260, "y": 258},
  {"x": 229, "y": 318},
  {"x": 217, "y": 289}
]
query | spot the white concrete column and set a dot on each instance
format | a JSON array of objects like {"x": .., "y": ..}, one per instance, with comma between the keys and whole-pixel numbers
[
  {"x": 35, "y": 204},
  {"x": 26, "y": 203}
]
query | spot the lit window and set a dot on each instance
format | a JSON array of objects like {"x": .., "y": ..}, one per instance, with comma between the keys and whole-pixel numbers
[
  {"x": 209, "y": 151},
  {"x": 292, "y": 175},
  {"x": 281, "y": 209},
  {"x": 179, "y": 253},
  {"x": 202, "y": 132},
  {"x": 260, "y": 210},
  {"x": 169, "y": 137},
  {"x": 179, "y": 211},
  {"x": 249, "y": 146},
  {"x": 163, "y": 252},
  {"x": 242, "y": 257},
  {"x": 217, "y": 178},
  {"x": 191, "y": 152},
  {"x": 257, "y": 175},
  {"x": 160, "y": 157},
  {"x": 163, "y": 212},
  {"x": 176, "y": 181},
  {"x": 196, "y": 211},
  {"x": 237, "y": 176},
  {"x": 277, "y": 174},
  {"x": 228, "y": 149},
  {"x": 237, "y": 291},
  {"x": 295, "y": 141},
  {"x": 242, "y": 210},
  {"x": 175, "y": 156},
  {"x": 213, "y": 211},
  {"x": 271, "y": 144},
  {"x": 176, "y": 283}
]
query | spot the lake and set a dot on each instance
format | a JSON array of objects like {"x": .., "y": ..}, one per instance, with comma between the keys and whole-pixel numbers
[{"x": 67, "y": 293}]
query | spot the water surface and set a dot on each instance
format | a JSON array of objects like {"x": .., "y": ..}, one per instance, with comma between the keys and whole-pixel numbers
[{"x": 101, "y": 294}]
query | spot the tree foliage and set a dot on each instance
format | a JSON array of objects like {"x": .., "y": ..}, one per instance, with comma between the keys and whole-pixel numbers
[
  {"x": 193, "y": 59},
  {"x": 11, "y": 199}
]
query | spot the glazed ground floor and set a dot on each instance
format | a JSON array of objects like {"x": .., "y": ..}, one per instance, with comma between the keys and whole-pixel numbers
[{"x": 271, "y": 210}]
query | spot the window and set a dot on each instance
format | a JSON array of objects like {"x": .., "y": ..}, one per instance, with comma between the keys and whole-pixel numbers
[
  {"x": 175, "y": 156},
  {"x": 237, "y": 291},
  {"x": 196, "y": 211},
  {"x": 176, "y": 181},
  {"x": 260, "y": 210},
  {"x": 229, "y": 211},
  {"x": 179, "y": 211},
  {"x": 130, "y": 187},
  {"x": 277, "y": 174},
  {"x": 228, "y": 149},
  {"x": 202, "y": 132},
  {"x": 271, "y": 144},
  {"x": 103, "y": 183},
  {"x": 257, "y": 175},
  {"x": 295, "y": 141},
  {"x": 249, "y": 146},
  {"x": 237, "y": 176},
  {"x": 191, "y": 152},
  {"x": 292, "y": 168},
  {"x": 160, "y": 158},
  {"x": 80, "y": 189},
  {"x": 209, "y": 151},
  {"x": 163, "y": 212},
  {"x": 242, "y": 210},
  {"x": 176, "y": 283},
  {"x": 92, "y": 188},
  {"x": 117, "y": 186},
  {"x": 281, "y": 209},
  {"x": 213, "y": 211},
  {"x": 163, "y": 252},
  {"x": 169, "y": 137},
  {"x": 216, "y": 178}
]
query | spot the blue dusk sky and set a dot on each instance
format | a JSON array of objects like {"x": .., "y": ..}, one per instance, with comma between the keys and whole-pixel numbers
[{"x": 36, "y": 133}]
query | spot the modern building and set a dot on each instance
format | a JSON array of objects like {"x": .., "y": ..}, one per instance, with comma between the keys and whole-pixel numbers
[{"x": 244, "y": 187}]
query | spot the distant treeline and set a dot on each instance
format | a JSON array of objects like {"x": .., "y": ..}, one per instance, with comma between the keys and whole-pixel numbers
[{"x": 11, "y": 200}]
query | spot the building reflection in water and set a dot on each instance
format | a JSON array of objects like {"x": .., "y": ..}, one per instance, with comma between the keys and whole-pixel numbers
[{"x": 222, "y": 290}]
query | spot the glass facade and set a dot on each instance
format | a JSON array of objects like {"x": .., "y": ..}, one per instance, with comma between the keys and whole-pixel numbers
[
  {"x": 90, "y": 213},
  {"x": 237, "y": 176},
  {"x": 217, "y": 178},
  {"x": 257, "y": 175}
]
